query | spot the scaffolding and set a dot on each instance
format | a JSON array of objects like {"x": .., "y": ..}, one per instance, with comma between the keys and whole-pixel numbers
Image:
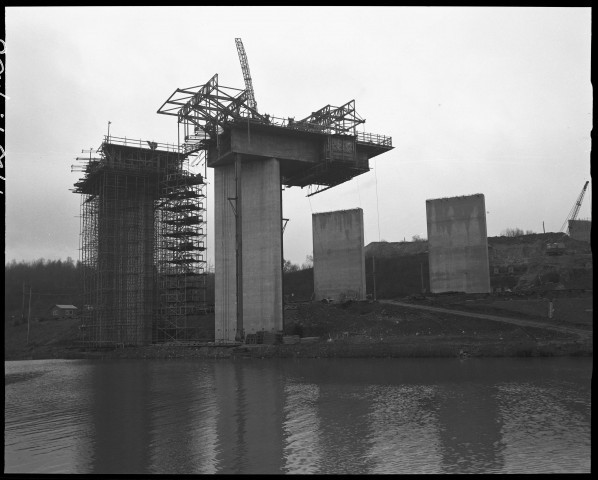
[
  {"x": 181, "y": 253},
  {"x": 142, "y": 244}
]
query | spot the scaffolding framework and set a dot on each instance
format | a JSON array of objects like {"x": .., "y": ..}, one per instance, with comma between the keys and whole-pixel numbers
[
  {"x": 142, "y": 244},
  {"x": 181, "y": 254}
]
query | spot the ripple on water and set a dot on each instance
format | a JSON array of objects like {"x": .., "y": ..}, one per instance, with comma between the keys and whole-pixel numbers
[{"x": 298, "y": 417}]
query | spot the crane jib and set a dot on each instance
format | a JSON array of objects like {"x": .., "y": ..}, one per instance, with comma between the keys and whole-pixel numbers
[{"x": 246, "y": 74}]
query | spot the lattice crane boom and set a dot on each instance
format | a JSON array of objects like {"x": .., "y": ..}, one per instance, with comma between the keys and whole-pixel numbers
[
  {"x": 576, "y": 206},
  {"x": 246, "y": 74}
]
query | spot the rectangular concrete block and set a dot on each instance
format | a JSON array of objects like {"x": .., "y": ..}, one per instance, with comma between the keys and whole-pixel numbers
[
  {"x": 458, "y": 244},
  {"x": 580, "y": 230},
  {"x": 339, "y": 255}
]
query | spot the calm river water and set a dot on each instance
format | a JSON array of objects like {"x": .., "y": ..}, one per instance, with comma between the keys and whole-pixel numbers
[{"x": 298, "y": 416}]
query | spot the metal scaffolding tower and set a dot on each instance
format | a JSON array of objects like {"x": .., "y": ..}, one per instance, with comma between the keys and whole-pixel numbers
[
  {"x": 181, "y": 254},
  {"x": 142, "y": 244}
]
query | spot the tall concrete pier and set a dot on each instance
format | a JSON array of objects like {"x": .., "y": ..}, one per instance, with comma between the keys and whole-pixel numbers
[
  {"x": 339, "y": 258},
  {"x": 458, "y": 244},
  {"x": 248, "y": 214}
]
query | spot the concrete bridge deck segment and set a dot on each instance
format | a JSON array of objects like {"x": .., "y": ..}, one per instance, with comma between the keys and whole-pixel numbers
[{"x": 305, "y": 157}]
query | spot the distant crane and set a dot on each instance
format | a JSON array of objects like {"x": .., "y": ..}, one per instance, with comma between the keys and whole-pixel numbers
[
  {"x": 575, "y": 210},
  {"x": 246, "y": 75}
]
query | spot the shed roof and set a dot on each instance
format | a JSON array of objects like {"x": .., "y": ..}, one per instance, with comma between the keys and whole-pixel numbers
[{"x": 66, "y": 306}]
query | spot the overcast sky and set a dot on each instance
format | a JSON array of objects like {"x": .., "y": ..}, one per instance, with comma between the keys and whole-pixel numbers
[{"x": 477, "y": 100}]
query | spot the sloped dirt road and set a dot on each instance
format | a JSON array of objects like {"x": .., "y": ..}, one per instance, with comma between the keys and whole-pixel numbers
[{"x": 583, "y": 334}]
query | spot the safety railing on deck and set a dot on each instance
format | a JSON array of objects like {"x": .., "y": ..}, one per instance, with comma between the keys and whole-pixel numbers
[
  {"x": 313, "y": 127},
  {"x": 129, "y": 142},
  {"x": 374, "y": 138}
]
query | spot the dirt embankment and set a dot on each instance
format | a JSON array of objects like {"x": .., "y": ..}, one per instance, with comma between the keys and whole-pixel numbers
[
  {"x": 518, "y": 263},
  {"x": 364, "y": 329}
]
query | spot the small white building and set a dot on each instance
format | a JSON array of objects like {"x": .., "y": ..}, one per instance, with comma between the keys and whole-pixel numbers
[{"x": 63, "y": 311}]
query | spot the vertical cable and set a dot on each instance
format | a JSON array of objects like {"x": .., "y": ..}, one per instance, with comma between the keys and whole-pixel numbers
[
  {"x": 377, "y": 205},
  {"x": 365, "y": 238}
]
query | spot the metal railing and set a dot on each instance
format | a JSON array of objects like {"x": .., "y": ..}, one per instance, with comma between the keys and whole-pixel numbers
[
  {"x": 137, "y": 143},
  {"x": 364, "y": 137},
  {"x": 374, "y": 138}
]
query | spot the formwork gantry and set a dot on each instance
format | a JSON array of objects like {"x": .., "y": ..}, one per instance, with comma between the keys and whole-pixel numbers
[{"x": 336, "y": 153}]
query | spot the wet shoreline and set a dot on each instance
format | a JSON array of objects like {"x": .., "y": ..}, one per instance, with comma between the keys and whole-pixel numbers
[{"x": 325, "y": 349}]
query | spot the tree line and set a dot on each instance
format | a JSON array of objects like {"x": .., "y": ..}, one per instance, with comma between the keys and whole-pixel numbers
[{"x": 47, "y": 282}]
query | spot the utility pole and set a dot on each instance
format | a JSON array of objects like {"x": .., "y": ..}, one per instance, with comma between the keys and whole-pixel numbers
[
  {"x": 374, "y": 275},
  {"x": 23, "y": 306},
  {"x": 29, "y": 315},
  {"x": 421, "y": 272}
]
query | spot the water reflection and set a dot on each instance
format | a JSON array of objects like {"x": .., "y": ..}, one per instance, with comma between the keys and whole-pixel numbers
[
  {"x": 345, "y": 432},
  {"x": 183, "y": 418},
  {"x": 546, "y": 426},
  {"x": 302, "y": 429},
  {"x": 470, "y": 429},
  {"x": 121, "y": 415},
  {"x": 299, "y": 416},
  {"x": 250, "y": 398},
  {"x": 47, "y": 424},
  {"x": 405, "y": 429}
]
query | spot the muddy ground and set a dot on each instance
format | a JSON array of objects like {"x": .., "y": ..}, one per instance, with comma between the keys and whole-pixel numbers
[{"x": 365, "y": 329}]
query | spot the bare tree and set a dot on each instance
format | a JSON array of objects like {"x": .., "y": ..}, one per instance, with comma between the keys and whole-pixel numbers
[{"x": 512, "y": 232}]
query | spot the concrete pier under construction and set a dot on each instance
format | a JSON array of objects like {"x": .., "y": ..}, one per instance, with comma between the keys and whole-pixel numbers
[
  {"x": 339, "y": 255},
  {"x": 253, "y": 155},
  {"x": 458, "y": 244},
  {"x": 142, "y": 246}
]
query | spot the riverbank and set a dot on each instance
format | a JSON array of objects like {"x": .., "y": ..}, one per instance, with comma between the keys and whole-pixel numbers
[
  {"x": 404, "y": 348},
  {"x": 366, "y": 330},
  {"x": 397, "y": 349},
  {"x": 390, "y": 349}
]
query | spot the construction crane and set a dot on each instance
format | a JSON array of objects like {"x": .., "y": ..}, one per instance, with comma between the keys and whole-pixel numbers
[
  {"x": 575, "y": 210},
  {"x": 246, "y": 75}
]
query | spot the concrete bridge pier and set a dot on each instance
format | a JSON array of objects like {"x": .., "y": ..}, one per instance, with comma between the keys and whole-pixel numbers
[{"x": 248, "y": 248}]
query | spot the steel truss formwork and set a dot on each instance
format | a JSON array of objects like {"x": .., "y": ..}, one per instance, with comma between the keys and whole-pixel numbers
[
  {"x": 213, "y": 110},
  {"x": 136, "y": 198}
]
